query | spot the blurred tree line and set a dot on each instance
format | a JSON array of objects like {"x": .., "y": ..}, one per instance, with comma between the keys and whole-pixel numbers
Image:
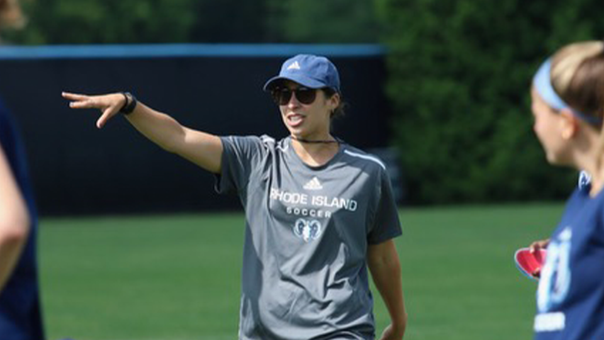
[
  {"x": 197, "y": 21},
  {"x": 459, "y": 79},
  {"x": 459, "y": 71}
]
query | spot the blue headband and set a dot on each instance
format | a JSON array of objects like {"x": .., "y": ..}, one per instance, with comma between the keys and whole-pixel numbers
[{"x": 543, "y": 85}]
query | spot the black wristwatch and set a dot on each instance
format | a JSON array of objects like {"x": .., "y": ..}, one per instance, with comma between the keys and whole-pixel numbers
[{"x": 130, "y": 103}]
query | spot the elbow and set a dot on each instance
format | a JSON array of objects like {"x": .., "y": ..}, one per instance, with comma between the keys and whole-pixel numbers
[
  {"x": 389, "y": 264},
  {"x": 169, "y": 144},
  {"x": 173, "y": 144},
  {"x": 15, "y": 229},
  {"x": 170, "y": 147},
  {"x": 175, "y": 140}
]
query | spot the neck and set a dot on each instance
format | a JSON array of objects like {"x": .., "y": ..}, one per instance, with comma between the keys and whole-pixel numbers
[
  {"x": 597, "y": 178},
  {"x": 328, "y": 140},
  {"x": 594, "y": 166},
  {"x": 589, "y": 157},
  {"x": 316, "y": 152}
]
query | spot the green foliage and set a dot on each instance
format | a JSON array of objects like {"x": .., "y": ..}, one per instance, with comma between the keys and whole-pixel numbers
[
  {"x": 460, "y": 73},
  {"x": 203, "y": 21},
  {"x": 334, "y": 21},
  {"x": 106, "y": 21},
  {"x": 229, "y": 21}
]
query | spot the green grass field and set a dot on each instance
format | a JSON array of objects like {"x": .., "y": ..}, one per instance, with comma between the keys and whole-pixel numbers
[{"x": 177, "y": 277}]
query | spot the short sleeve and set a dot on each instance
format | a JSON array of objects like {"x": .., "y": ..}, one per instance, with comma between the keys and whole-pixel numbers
[
  {"x": 386, "y": 224},
  {"x": 240, "y": 156}
]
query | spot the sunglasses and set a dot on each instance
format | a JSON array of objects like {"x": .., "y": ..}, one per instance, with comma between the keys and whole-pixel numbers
[{"x": 282, "y": 95}]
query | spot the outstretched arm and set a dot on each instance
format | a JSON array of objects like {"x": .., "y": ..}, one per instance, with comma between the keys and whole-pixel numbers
[
  {"x": 386, "y": 272},
  {"x": 14, "y": 221},
  {"x": 198, "y": 147}
]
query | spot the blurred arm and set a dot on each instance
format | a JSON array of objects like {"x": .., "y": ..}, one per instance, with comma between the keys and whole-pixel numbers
[{"x": 14, "y": 221}]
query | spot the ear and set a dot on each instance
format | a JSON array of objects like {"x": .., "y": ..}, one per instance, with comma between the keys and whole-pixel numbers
[
  {"x": 569, "y": 124},
  {"x": 335, "y": 100}
]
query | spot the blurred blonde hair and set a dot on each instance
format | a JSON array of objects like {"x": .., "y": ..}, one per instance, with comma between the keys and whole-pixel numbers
[{"x": 577, "y": 75}]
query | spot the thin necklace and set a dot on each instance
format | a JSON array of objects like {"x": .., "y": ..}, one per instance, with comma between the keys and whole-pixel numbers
[{"x": 302, "y": 140}]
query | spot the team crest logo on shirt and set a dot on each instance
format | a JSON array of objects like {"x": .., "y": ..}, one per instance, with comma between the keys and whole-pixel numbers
[
  {"x": 556, "y": 275},
  {"x": 584, "y": 179},
  {"x": 307, "y": 230},
  {"x": 313, "y": 184}
]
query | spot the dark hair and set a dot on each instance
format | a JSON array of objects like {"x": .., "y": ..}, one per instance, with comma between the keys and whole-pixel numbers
[{"x": 339, "y": 111}]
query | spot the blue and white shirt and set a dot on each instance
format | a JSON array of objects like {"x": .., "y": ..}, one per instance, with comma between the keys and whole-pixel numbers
[{"x": 570, "y": 298}]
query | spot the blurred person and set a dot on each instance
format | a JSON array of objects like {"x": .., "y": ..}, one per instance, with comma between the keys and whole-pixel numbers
[
  {"x": 568, "y": 108},
  {"x": 319, "y": 212},
  {"x": 11, "y": 15},
  {"x": 20, "y": 315}
]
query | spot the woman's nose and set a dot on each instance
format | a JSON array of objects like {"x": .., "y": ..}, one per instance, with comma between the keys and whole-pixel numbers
[{"x": 293, "y": 100}]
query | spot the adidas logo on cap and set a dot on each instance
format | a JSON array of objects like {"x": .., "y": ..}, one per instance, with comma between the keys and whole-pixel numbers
[
  {"x": 294, "y": 66},
  {"x": 313, "y": 184}
]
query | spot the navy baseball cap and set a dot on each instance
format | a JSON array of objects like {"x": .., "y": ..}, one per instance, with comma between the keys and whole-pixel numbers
[{"x": 308, "y": 70}]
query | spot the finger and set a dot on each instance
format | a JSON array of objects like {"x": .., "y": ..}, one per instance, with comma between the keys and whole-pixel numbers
[
  {"x": 536, "y": 246},
  {"x": 73, "y": 96},
  {"x": 90, "y": 103},
  {"x": 87, "y": 104},
  {"x": 107, "y": 114}
]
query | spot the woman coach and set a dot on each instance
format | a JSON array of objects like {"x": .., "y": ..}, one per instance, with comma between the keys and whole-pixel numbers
[{"x": 319, "y": 212}]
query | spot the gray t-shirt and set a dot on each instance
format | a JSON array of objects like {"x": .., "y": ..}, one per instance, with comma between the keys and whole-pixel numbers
[{"x": 304, "y": 270}]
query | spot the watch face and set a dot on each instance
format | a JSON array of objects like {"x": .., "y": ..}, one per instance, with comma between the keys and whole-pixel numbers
[{"x": 130, "y": 103}]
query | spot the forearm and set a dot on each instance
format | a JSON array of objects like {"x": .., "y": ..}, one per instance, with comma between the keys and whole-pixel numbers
[
  {"x": 386, "y": 272},
  {"x": 158, "y": 127},
  {"x": 14, "y": 221},
  {"x": 201, "y": 148},
  {"x": 387, "y": 280}
]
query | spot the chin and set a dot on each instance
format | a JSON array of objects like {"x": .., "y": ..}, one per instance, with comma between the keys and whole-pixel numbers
[
  {"x": 558, "y": 161},
  {"x": 551, "y": 159},
  {"x": 296, "y": 132}
]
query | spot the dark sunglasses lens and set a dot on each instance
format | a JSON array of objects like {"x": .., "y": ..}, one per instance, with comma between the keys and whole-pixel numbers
[
  {"x": 306, "y": 96},
  {"x": 282, "y": 96},
  {"x": 303, "y": 95}
]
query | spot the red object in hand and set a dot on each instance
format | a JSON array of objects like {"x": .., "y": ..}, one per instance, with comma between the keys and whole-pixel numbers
[{"x": 529, "y": 263}]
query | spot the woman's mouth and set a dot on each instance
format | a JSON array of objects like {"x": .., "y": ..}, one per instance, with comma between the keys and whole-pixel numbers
[{"x": 294, "y": 119}]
